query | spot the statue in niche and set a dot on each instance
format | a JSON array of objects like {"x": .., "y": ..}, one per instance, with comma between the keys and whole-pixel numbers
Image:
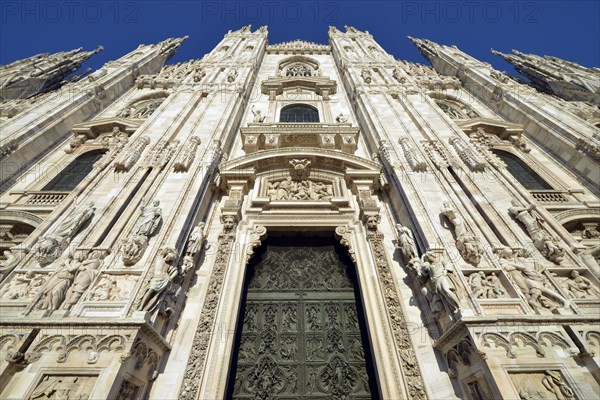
[
  {"x": 165, "y": 274},
  {"x": 196, "y": 239},
  {"x": 580, "y": 287},
  {"x": 87, "y": 272},
  {"x": 406, "y": 243},
  {"x": 232, "y": 75},
  {"x": 150, "y": 219},
  {"x": 48, "y": 248},
  {"x": 436, "y": 272},
  {"x": 74, "y": 221},
  {"x": 531, "y": 282},
  {"x": 466, "y": 243},
  {"x": 525, "y": 216},
  {"x": 258, "y": 117},
  {"x": 134, "y": 246},
  {"x": 341, "y": 119},
  {"x": 547, "y": 245},
  {"x": 55, "y": 289}
]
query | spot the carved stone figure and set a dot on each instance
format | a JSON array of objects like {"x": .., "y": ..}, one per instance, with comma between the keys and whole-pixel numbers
[
  {"x": 133, "y": 249},
  {"x": 341, "y": 119},
  {"x": 531, "y": 282},
  {"x": 232, "y": 75},
  {"x": 590, "y": 233},
  {"x": 406, "y": 243},
  {"x": 580, "y": 287},
  {"x": 74, "y": 221},
  {"x": 195, "y": 240},
  {"x": 366, "y": 75},
  {"x": 542, "y": 240},
  {"x": 64, "y": 387},
  {"x": 87, "y": 272},
  {"x": 556, "y": 385},
  {"x": 149, "y": 220},
  {"x": 12, "y": 258},
  {"x": 164, "y": 275},
  {"x": 55, "y": 289},
  {"x": 23, "y": 286},
  {"x": 466, "y": 243},
  {"x": 47, "y": 249},
  {"x": 486, "y": 287},
  {"x": 433, "y": 269},
  {"x": 525, "y": 216},
  {"x": 258, "y": 117}
]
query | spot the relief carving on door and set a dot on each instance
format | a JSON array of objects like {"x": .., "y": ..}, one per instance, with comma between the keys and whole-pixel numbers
[{"x": 301, "y": 332}]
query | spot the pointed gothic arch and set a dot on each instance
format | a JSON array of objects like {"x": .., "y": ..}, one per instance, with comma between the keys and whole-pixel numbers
[
  {"x": 522, "y": 172},
  {"x": 75, "y": 172}
]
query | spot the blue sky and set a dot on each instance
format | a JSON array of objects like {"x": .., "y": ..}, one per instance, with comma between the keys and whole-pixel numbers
[{"x": 566, "y": 29}]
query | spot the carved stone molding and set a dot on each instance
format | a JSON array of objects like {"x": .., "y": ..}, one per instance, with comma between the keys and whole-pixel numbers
[
  {"x": 410, "y": 367},
  {"x": 195, "y": 364}
]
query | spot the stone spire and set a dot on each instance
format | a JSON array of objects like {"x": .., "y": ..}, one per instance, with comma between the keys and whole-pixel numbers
[
  {"x": 169, "y": 46},
  {"x": 562, "y": 78},
  {"x": 427, "y": 48},
  {"x": 40, "y": 73}
]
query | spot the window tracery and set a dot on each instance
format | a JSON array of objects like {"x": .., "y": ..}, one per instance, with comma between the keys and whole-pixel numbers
[
  {"x": 298, "y": 70},
  {"x": 141, "y": 109}
]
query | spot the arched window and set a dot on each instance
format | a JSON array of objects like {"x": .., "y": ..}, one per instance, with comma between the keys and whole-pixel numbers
[
  {"x": 75, "y": 172},
  {"x": 522, "y": 172},
  {"x": 299, "y": 113}
]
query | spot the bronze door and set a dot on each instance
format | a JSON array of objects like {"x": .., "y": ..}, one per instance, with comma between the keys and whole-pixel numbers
[{"x": 302, "y": 335}]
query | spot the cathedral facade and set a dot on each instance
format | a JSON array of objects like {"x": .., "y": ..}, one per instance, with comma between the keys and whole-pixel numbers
[{"x": 299, "y": 220}]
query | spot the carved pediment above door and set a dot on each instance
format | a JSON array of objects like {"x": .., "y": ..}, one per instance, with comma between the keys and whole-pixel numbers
[{"x": 301, "y": 179}]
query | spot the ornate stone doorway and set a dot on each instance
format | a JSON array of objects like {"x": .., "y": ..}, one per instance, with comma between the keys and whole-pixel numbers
[{"x": 303, "y": 331}]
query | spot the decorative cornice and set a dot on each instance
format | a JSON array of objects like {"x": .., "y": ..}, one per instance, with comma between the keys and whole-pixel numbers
[{"x": 298, "y": 47}]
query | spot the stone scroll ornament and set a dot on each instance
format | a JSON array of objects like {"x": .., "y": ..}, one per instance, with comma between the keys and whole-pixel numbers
[
  {"x": 204, "y": 330},
  {"x": 49, "y": 247},
  {"x": 410, "y": 367},
  {"x": 547, "y": 245},
  {"x": 135, "y": 245},
  {"x": 466, "y": 243}
]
